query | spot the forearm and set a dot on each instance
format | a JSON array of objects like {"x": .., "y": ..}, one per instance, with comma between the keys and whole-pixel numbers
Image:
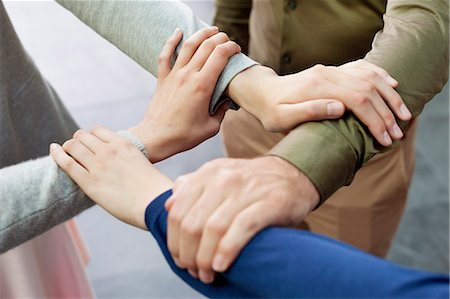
[
  {"x": 413, "y": 48},
  {"x": 140, "y": 29},
  {"x": 34, "y": 197},
  {"x": 233, "y": 17},
  {"x": 343, "y": 270}
]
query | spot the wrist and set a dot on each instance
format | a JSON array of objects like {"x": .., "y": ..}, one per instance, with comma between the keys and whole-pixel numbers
[
  {"x": 309, "y": 192},
  {"x": 157, "y": 142},
  {"x": 248, "y": 89}
]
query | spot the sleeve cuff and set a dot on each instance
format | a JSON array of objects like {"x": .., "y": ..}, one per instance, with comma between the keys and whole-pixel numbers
[
  {"x": 155, "y": 208},
  {"x": 236, "y": 64},
  {"x": 321, "y": 154}
]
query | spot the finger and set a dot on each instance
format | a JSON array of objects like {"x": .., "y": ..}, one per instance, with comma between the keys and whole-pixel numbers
[
  {"x": 205, "y": 50},
  {"x": 104, "y": 134},
  {"x": 165, "y": 57},
  {"x": 386, "y": 115},
  {"x": 389, "y": 94},
  {"x": 243, "y": 228},
  {"x": 185, "y": 198},
  {"x": 179, "y": 183},
  {"x": 191, "y": 45},
  {"x": 192, "y": 227},
  {"x": 356, "y": 95},
  {"x": 92, "y": 142},
  {"x": 68, "y": 164},
  {"x": 217, "y": 61},
  {"x": 215, "y": 228},
  {"x": 369, "y": 90},
  {"x": 79, "y": 152},
  {"x": 312, "y": 110},
  {"x": 385, "y": 75},
  {"x": 220, "y": 113}
]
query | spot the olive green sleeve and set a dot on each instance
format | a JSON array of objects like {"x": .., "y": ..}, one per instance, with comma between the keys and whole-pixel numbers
[
  {"x": 413, "y": 48},
  {"x": 232, "y": 17}
]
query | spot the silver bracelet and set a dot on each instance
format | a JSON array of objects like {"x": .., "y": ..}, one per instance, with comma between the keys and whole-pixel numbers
[{"x": 135, "y": 141}]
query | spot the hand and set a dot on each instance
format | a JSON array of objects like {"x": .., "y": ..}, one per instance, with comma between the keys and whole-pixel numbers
[
  {"x": 215, "y": 211},
  {"x": 283, "y": 102},
  {"x": 178, "y": 116},
  {"x": 112, "y": 172}
]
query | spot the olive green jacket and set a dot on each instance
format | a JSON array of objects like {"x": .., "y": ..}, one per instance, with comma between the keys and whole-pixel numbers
[{"x": 407, "y": 38}]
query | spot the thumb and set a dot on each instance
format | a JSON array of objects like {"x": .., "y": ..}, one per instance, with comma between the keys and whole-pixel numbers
[
  {"x": 298, "y": 113},
  {"x": 220, "y": 113}
]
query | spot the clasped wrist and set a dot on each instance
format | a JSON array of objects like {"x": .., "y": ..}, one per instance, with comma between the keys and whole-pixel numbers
[
  {"x": 310, "y": 193},
  {"x": 248, "y": 88}
]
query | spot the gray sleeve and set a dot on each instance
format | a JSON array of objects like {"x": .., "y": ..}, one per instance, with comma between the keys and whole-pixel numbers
[
  {"x": 36, "y": 192},
  {"x": 140, "y": 29}
]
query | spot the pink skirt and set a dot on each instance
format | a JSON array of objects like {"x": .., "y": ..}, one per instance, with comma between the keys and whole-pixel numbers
[{"x": 51, "y": 265}]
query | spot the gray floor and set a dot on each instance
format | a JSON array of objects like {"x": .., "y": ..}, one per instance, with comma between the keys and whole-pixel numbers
[{"x": 100, "y": 85}]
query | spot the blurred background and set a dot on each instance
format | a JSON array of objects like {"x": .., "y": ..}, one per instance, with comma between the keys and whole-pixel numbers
[{"x": 100, "y": 85}]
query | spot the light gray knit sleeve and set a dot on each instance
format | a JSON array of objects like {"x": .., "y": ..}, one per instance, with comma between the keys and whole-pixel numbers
[
  {"x": 140, "y": 29},
  {"x": 36, "y": 195}
]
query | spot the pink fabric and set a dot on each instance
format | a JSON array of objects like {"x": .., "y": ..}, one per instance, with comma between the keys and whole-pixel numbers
[{"x": 49, "y": 266}]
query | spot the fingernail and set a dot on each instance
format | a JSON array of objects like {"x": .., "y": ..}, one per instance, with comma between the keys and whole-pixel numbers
[
  {"x": 334, "y": 109},
  {"x": 193, "y": 274},
  {"x": 397, "y": 131},
  {"x": 218, "y": 264},
  {"x": 387, "y": 139},
  {"x": 215, "y": 28},
  {"x": 53, "y": 146},
  {"x": 205, "y": 277},
  {"x": 391, "y": 80},
  {"x": 405, "y": 111},
  {"x": 176, "y": 31}
]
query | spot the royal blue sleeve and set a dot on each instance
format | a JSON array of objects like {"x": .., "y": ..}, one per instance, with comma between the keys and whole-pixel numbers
[{"x": 288, "y": 263}]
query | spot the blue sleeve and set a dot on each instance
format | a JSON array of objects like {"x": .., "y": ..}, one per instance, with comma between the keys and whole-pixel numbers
[{"x": 288, "y": 263}]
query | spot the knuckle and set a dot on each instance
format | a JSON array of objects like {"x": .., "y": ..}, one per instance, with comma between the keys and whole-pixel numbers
[
  {"x": 78, "y": 133},
  {"x": 361, "y": 100},
  {"x": 175, "y": 217},
  {"x": 96, "y": 129},
  {"x": 368, "y": 87},
  {"x": 209, "y": 166},
  {"x": 201, "y": 87},
  {"x": 389, "y": 119},
  {"x": 222, "y": 50},
  {"x": 318, "y": 67},
  {"x": 309, "y": 112},
  {"x": 228, "y": 177},
  {"x": 223, "y": 36},
  {"x": 69, "y": 144},
  {"x": 180, "y": 181},
  {"x": 66, "y": 164},
  {"x": 371, "y": 74},
  {"x": 378, "y": 127},
  {"x": 227, "y": 249},
  {"x": 110, "y": 151},
  {"x": 182, "y": 76},
  {"x": 188, "y": 45},
  {"x": 203, "y": 263},
  {"x": 190, "y": 228},
  {"x": 245, "y": 222},
  {"x": 216, "y": 227},
  {"x": 209, "y": 44},
  {"x": 162, "y": 58}
]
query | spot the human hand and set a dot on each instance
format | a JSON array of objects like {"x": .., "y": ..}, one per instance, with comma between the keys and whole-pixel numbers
[
  {"x": 178, "y": 116},
  {"x": 112, "y": 172},
  {"x": 215, "y": 211},
  {"x": 283, "y": 102}
]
